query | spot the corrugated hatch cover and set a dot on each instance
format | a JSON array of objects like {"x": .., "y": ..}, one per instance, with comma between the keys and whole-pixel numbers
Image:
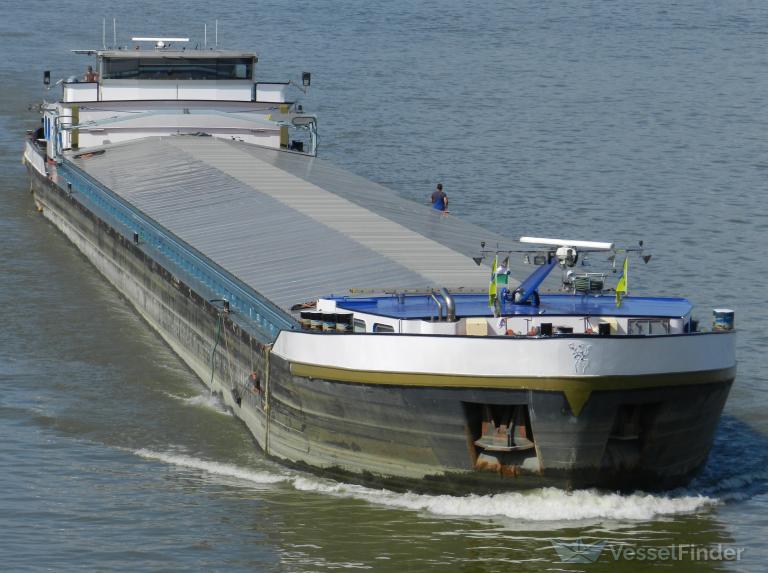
[{"x": 292, "y": 227}]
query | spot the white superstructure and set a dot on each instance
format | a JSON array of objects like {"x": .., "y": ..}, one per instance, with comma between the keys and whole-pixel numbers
[{"x": 137, "y": 93}]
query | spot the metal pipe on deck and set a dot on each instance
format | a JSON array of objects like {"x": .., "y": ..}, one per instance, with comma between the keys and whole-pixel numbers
[
  {"x": 450, "y": 306},
  {"x": 439, "y": 306}
]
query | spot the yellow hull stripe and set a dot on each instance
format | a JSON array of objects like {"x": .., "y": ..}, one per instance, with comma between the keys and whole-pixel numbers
[{"x": 576, "y": 389}]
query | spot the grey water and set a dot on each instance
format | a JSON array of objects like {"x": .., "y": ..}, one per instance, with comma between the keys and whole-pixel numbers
[{"x": 593, "y": 120}]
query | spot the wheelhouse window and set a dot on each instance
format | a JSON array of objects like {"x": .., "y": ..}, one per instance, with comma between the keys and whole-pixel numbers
[
  {"x": 173, "y": 68},
  {"x": 359, "y": 325},
  {"x": 378, "y": 327}
]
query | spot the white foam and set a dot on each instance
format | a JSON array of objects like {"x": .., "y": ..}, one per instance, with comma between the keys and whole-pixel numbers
[
  {"x": 214, "y": 468},
  {"x": 204, "y": 401},
  {"x": 543, "y": 505},
  {"x": 548, "y": 504}
]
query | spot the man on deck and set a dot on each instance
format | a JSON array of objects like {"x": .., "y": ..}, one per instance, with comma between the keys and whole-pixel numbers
[{"x": 440, "y": 199}]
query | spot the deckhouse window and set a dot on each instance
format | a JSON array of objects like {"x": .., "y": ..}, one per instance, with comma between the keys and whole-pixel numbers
[
  {"x": 644, "y": 326},
  {"x": 172, "y": 68},
  {"x": 378, "y": 327}
]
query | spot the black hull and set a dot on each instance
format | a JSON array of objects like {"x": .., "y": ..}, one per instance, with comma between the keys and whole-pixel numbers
[{"x": 434, "y": 426}]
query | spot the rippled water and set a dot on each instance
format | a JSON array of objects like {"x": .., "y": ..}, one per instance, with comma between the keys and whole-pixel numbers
[{"x": 593, "y": 120}]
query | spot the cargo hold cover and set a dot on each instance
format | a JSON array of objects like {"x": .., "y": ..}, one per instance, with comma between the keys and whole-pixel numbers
[{"x": 292, "y": 227}]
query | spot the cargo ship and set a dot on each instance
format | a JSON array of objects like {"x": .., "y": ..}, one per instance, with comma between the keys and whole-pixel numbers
[{"x": 358, "y": 334}]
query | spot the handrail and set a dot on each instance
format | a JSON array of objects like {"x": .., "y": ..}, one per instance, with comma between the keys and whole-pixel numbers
[{"x": 439, "y": 306}]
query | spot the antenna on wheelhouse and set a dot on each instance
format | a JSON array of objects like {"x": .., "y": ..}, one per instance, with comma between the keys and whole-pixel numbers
[
  {"x": 104, "y": 33},
  {"x": 114, "y": 33},
  {"x": 205, "y": 36},
  {"x": 217, "y": 33}
]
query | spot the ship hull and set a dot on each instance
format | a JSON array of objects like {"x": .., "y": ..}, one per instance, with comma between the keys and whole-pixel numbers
[{"x": 408, "y": 430}]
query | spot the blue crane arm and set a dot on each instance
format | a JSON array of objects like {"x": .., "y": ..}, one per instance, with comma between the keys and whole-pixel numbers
[{"x": 529, "y": 285}]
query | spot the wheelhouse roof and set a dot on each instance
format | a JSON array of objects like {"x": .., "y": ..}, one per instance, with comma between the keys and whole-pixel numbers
[{"x": 172, "y": 54}]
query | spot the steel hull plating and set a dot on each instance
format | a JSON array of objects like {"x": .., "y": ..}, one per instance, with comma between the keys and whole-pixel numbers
[{"x": 404, "y": 436}]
